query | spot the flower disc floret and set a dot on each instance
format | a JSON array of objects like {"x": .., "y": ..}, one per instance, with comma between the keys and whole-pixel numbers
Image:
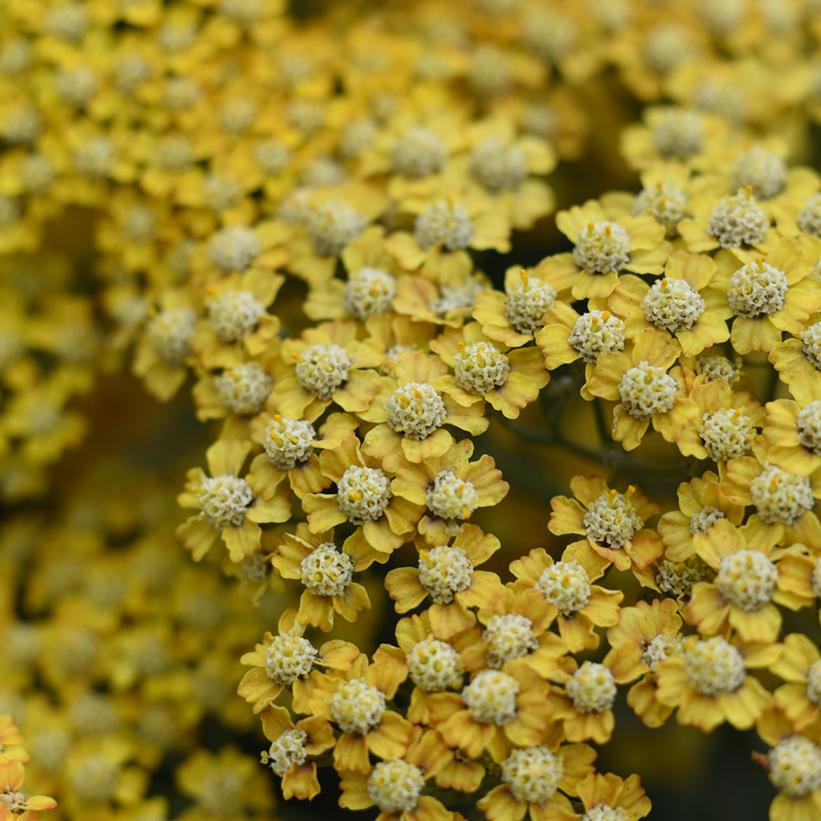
[
  {"x": 714, "y": 368},
  {"x": 444, "y": 571},
  {"x": 233, "y": 248},
  {"x": 808, "y": 425},
  {"x": 781, "y": 496},
  {"x": 369, "y": 291},
  {"x": 170, "y": 333},
  {"x": 527, "y": 304},
  {"x": 395, "y": 786},
  {"x": 815, "y": 580},
  {"x": 727, "y": 434},
  {"x": 704, "y": 519},
  {"x": 611, "y": 520},
  {"x": 673, "y": 305},
  {"x": 566, "y": 586},
  {"x": 289, "y": 658},
  {"x": 416, "y": 410},
  {"x": 234, "y": 314},
  {"x": 602, "y": 247},
  {"x": 332, "y": 225},
  {"x": 811, "y": 344},
  {"x": 660, "y": 648},
  {"x": 418, "y": 152},
  {"x": 286, "y": 751},
  {"x": 677, "y": 578},
  {"x": 757, "y": 289},
  {"x": 357, "y": 707},
  {"x": 678, "y": 134},
  {"x": 497, "y": 166},
  {"x": 445, "y": 224},
  {"x": 795, "y": 766},
  {"x": 747, "y": 579},
  {"x": 434, "y": 665},
  {"x": 456, "y": 298},
  {"x": 532, "y": 773},
  {"x": 646, "y": 390},
  {"x": 761, "y": 170},
  {"x": 224, "y": 500},
  {"x": 491, "y": 697},
  {"x": 508, "y": 636},
  {"x": 604, "y": 812},
  {"x": 481, "y": 367},
  {"x": 326, "y": 571},
  {"x": 595, "y": 333},
  {"x": 814, "y": 682},
  {"x": 288, "y": 442},
  {"x": 713, "y": 666},
  {"x": 323, "y": 368},
  {"x": 738, "y": 221},
  {"x": 664, "y": 202},
  {"x": 450, "y": 497},
  {"x": 363, "y": 493},
  {"x": 809, "y": 217},
  {"x": 244, "y": 389},
  {"x": 592, "y": 688}
]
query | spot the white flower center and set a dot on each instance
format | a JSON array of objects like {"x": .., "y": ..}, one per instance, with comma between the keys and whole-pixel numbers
[
  {"x": 595, "y": 333},
  {"x": 434, "y": 666},
  {"x": 444, "y": 571},
  {"x": 811, "y": 344},
  {"x": 592, "y": 688},
  {"x": 332, "y": 225},
  {"x": 761, "y": 170},
  {"x": 453, "y": 298},
  {"x": 809, "y": 217},
  {"x": 480, "y": 368},
  {"x": 677, "y": 578},
  {"x": 170, "y": 333},
  {"x": 322, "y": 369},
  {"x": 357, "y": 707},
  {"x": 604, "y": 812},
  {"x": 244, "y": 389},
  {"x": 532, "y": 773},
  {"x": 395, "y": 786},
  {"x": 795, "y": 766},
  {"x": 416, "y": 410},
  {"x": 224, "y": 500},
  {"x": 491, "y": 697},
  {"x": 664, "y": 202},
  {"x": 678, "y": 133},
  {"x": 780, "y": 496},
  {"x": 757, "y": 289},
  {"x": 808, "y": 424},
  {"x": 285, "y": 751},
  {"x": 369, "y": 291},
  {"x": 611, "y": 520},
  {"x": 713, "y": 666},
  {"x": 527, "y": 304},
  {"x": 288, "y": 442},
  {"x": 289, "y": 657},
  {"x": 814, "y": 682},
  {"x": 646, "y": 390},
  {"x": 662, "y": 646},
  {"x": 713, "y": 368},
  {"x": 738, "y": 221},
  {"x": 443, "y": 224},
  {"x": 673, "y": 305},
  {"x": 566, "y": 586},
  {"x": 602, "y": 247},
  {"x": 727, "y": 434},
  {"x": 326, "y": 571},
  {"x": 363, "y": 493},
  {"x": 747, "y": 579},
  {"x": 418, "y": 152},
  {"x": 497, "y": 166},
  {"x": 702, "y": 521},
  {"x": 450, "y": 497},
  {"x": 508, "y": 636},
  {"x": 233, "y": 248}
]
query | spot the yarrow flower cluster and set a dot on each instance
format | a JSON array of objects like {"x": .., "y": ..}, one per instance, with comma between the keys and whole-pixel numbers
[{"x": 328, "y": 232}]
